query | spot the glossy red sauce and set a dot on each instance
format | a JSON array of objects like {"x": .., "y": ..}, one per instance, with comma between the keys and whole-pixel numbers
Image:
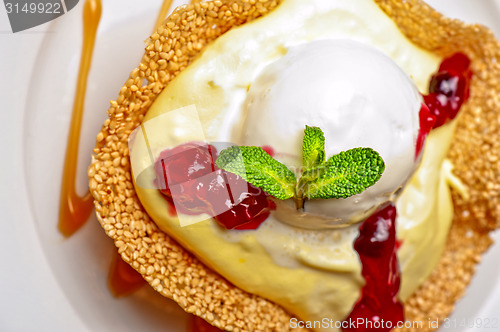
[
  {"x": 189, "y": 179},
  {"x": 427, "y": 121},
  {"x": 449, "y": 88},
  {"x": 123, "y": 279},
  {"x": 378, "y": 307},
  {"x": 269, "y": 149},
  {"x": 197, "y": 324}
]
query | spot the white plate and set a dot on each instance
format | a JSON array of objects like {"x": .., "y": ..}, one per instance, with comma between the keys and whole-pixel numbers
[{"x": 50, "y": 283}]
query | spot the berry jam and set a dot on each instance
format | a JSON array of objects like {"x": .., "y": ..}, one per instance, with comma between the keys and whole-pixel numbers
[
  {"x": 449, "y": 88},
  {"x": 197, "y": 324},
  {"x": 427, "y": 121},
  {"x": 179, "y": 172},
  {"x": 269, "y": 149},
  {"x": 378, "y": 307},
  {"x": 187, "y": 176},
  {"x": 123, "y": 279}
]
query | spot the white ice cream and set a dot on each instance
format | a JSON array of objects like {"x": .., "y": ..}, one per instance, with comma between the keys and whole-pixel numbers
[{"x": 358, "y": 96}]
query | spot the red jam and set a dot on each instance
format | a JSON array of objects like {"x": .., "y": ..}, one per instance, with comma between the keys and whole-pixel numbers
[
  {"x": 197, "y": 324},
  {"x": 427, "y": 121},
  {"x": 123, "y": 279},
  {"x": 187, "y": 176},
  {"x": 449, "y": 88},
  {"x": 269, "y": 149},
  {"x": 378, "y": 308}
]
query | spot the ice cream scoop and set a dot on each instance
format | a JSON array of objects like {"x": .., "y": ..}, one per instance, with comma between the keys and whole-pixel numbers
[{"x": 359, "y": 97}]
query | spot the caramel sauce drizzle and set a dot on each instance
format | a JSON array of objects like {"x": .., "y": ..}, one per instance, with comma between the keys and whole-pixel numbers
[
  {"x": 74, "y": 210},
  {"x": 165, "y": 7}
]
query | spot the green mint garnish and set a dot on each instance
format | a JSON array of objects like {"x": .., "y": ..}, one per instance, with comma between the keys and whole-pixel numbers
[
  {"x": 342, "y": 175},
  {"x": 257, "y": 167},
  {"x": 313, "y": 147},
  {"x": 347, "y": 173}
]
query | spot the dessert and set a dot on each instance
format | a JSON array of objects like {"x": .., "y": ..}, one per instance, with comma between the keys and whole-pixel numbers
[
  {"x": 137, "y": 237},
  {"x": 355, "y": 93}
]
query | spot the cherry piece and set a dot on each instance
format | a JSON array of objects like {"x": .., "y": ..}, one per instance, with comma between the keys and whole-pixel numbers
[
  {"x": 378, "y": 307},
  {"x": 269, "y": 149},
  {"x": 179, "y": 174},
  {"x": 449, "y": 88},
  {"x": 189, "y": 180},
  {"x": 250, "y": 209},
  {"x": 457, "y": 63},
  {"x": 183, "y": 163},
  {"x": 427, "y": 121}
]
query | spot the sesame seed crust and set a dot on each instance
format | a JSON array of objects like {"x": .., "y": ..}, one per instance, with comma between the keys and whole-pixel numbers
[
  {"x": 176, "y": 274},
  {"x": 475, "y": 153}
]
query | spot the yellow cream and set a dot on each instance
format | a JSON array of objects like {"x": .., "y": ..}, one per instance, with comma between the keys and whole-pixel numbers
[
  {"x": 309, "y": 291},
  {"x": 312, "y": 274}
]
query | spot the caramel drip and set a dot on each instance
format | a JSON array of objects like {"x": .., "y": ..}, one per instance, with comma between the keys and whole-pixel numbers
[
  {"x": 75, "y": 210},
  {"x": 162, "y": 15}
]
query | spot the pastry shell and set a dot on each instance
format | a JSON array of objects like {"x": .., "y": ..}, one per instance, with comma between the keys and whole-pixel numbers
[{"x": 177, "y": 274}]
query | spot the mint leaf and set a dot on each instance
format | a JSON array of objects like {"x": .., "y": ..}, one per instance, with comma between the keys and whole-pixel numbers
[
  {"x": 257, "y": 167},
  {"x": 313, "y": 173},
  {"x": 313, "y": 147},
  {"x": 346, "y": 174}
]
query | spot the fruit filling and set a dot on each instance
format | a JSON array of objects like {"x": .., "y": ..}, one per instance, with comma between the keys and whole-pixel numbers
[
  {"x": 376, "y": 244},
  {"x": 449, "y": 88},
  {"x": 427, "y": 120},
  {"x": 378, "y": 306},
  {"x": 190, "y": 180}
]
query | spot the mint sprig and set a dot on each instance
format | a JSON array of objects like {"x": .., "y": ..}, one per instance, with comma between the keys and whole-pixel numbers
[
  {"x": 257, "y": 167},
  {"x": 345, "y": 174},
  {"x": 342, "y": 175},
  {"x": 313, "y": 147}
]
